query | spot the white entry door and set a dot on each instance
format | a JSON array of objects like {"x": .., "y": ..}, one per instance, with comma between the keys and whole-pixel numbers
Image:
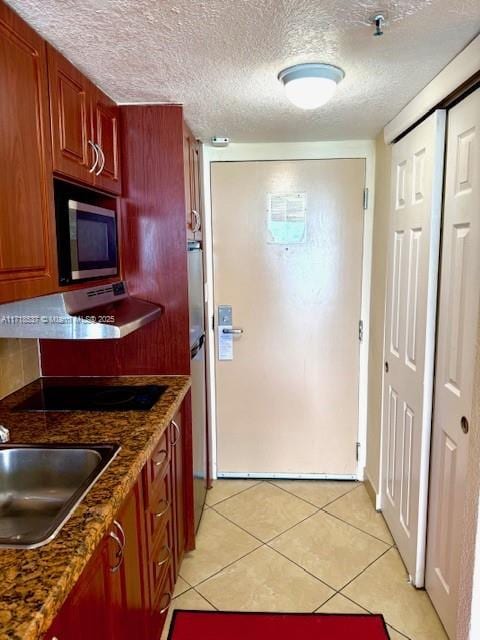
[
  {"x": 457, "y": 332},
  {"x": 416, "y": 194},
  {"x": 287, "y": 245}
]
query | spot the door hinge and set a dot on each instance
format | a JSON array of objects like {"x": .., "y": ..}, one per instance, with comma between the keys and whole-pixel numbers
[
  {"x": 357, "y": 451},
  {"x": 365, "y": 198},
  {"x": 213, "y": 322},
  {"x": 360, "y": 330}
]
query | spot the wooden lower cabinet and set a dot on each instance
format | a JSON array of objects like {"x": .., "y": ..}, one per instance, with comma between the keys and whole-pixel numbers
[{"x": 126, "y": 588}]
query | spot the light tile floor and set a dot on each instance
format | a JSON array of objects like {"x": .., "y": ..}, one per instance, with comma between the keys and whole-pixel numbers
[{"x": 302, "y": 545}]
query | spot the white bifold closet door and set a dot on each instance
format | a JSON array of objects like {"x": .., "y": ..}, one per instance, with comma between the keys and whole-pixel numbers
[
  {"x": 456, "y": 346},
  {"x": 413, "y": 254}
]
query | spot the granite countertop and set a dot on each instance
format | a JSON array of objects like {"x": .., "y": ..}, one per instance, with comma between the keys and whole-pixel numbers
[{"x": 34, "y": 583}]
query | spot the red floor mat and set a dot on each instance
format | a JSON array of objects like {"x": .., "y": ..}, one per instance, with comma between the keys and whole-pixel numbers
[{"x": 216, "y": 625}]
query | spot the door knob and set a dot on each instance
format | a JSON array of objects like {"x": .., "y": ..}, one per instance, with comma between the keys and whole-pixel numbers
[
  {"x": 464, "y": 424},
  {"x": 386, "y": 367}
]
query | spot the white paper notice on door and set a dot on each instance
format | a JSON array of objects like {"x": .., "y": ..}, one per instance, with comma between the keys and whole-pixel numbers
[
  {"x": 225, "y": 343},
  {"x": 286, "y": 218}
]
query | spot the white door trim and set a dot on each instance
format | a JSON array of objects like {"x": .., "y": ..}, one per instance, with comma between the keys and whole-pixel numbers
[{"x": 293, "y": 151}]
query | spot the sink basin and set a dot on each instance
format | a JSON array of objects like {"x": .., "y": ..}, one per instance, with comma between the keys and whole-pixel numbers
[{"x": 40, "y": 486}]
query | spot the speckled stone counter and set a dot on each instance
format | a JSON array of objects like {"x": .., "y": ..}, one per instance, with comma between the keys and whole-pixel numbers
[{"x": 35, "y": 583}]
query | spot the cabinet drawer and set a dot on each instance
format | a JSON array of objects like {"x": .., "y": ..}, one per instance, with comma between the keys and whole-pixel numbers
[
  {"x": 160, "y": 459},
  {"x": 163, "y": 597},
  {"x": 159, "y": 509},
  {"x": 162, "y": 555}
]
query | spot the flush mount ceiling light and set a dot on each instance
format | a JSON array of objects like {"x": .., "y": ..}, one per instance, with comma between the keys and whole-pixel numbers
[{"x": 311, "y": 84}]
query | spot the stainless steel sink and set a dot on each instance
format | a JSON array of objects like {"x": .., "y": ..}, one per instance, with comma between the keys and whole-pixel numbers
[{"x": 40, "y": 486}]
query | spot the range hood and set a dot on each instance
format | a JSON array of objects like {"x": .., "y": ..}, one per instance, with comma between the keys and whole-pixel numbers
[{"x": 97, "y": 313}]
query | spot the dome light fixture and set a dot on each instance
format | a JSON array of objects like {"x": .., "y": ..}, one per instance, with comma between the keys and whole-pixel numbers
[{"x": 312, "y": 84}]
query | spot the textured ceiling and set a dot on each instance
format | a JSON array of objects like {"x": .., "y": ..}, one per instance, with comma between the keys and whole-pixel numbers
[{"x": 220, "y": 58}]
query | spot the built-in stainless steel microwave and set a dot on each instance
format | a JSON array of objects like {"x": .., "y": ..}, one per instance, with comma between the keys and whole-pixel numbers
[{"x": 86, "y": 241}]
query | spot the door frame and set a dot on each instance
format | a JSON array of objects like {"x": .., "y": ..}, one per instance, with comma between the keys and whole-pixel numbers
[{"x": 341, "y": 149}]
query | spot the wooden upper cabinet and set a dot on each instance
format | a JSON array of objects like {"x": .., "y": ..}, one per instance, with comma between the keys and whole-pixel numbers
[
  {"x": 192, "y": 185},
  {"x": 73, "y": 153},
  {"x": 27, "y": 241},
  {"x": 85, "y": 127},
  {"x": 106, "y": 121}
]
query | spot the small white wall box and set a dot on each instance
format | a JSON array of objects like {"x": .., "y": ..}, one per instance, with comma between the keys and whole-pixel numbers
[{"x": 220, "y": 141}]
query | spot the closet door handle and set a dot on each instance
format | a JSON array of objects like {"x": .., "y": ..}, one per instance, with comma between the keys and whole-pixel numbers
[
  {"x": 97, "y": 157},
  {"x": 465, "y": 425}
]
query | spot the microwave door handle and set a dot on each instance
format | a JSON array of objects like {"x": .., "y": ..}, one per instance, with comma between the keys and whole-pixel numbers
[
  {"x": 102, "y": 161},
  {"x": 97, "y": 158}
]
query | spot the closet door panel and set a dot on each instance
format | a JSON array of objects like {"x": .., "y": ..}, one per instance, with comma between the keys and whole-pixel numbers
[{"x": 457, "y": 332}]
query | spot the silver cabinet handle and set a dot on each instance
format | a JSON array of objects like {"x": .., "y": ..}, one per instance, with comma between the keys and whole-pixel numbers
[
  {"x": 159, "y": 463},
  {"x": 233, "y": 332},
  {"x": 119, "y": 553},
  {"x": 122, "y": 532},
  {"x": 160, "y": 563},
  {"x": 177, "y": 430},
  {"x": 102, "y": 159},
  {"x": 159, "y": 514},
  {"x": 165, "y": 608},
  {"x": 197, "y": 224},
  {"x": 97, "y": 157}
]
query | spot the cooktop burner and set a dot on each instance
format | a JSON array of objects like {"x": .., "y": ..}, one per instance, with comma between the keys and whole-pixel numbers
[{"x": 93, "y": 398}]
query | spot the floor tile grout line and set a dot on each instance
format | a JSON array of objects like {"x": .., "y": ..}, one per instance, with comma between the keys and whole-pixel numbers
[
  {"x": 325, "y": 584},
  {"x": 272, "y": 482},
  {"x": 318, "y": 509},
  {"x": 268, "y": 544},
  {"x": 262, "y": 542},
  {"x": 355, "y": 527},
  {"x": 229, "y": 564},
  {"x": 339, "y": 593},
  {"x": 202, "y": 596},
  {"x": 233, "y": 494},
  {"x": 365, "y": 569},
  {"x": 277, "y": 535}
]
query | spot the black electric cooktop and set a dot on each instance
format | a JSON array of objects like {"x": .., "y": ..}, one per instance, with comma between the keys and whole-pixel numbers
[{"x": 93, "y": 398}]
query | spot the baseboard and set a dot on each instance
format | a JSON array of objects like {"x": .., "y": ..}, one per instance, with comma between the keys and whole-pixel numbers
[{"x": 372, "y": 493}]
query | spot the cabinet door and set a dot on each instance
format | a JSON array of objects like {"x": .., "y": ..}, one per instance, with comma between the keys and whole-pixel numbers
[
  {"x": 129, "y": 583},
  {"x": 70, "y": 110},
  {"x": 187, "y": 170},
  {"x": 177, "y": 487},
  {"x": 106, "y": 116},
  {"x": 195, "y": 188},
  {"x": 27, "y": 246},
  {"x": 85, "y": 613}
]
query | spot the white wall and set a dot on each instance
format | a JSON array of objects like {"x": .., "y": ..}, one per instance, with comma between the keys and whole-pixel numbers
[
  {"x": 295, "y": 151},
  {"x": 377, "y": 310}
]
